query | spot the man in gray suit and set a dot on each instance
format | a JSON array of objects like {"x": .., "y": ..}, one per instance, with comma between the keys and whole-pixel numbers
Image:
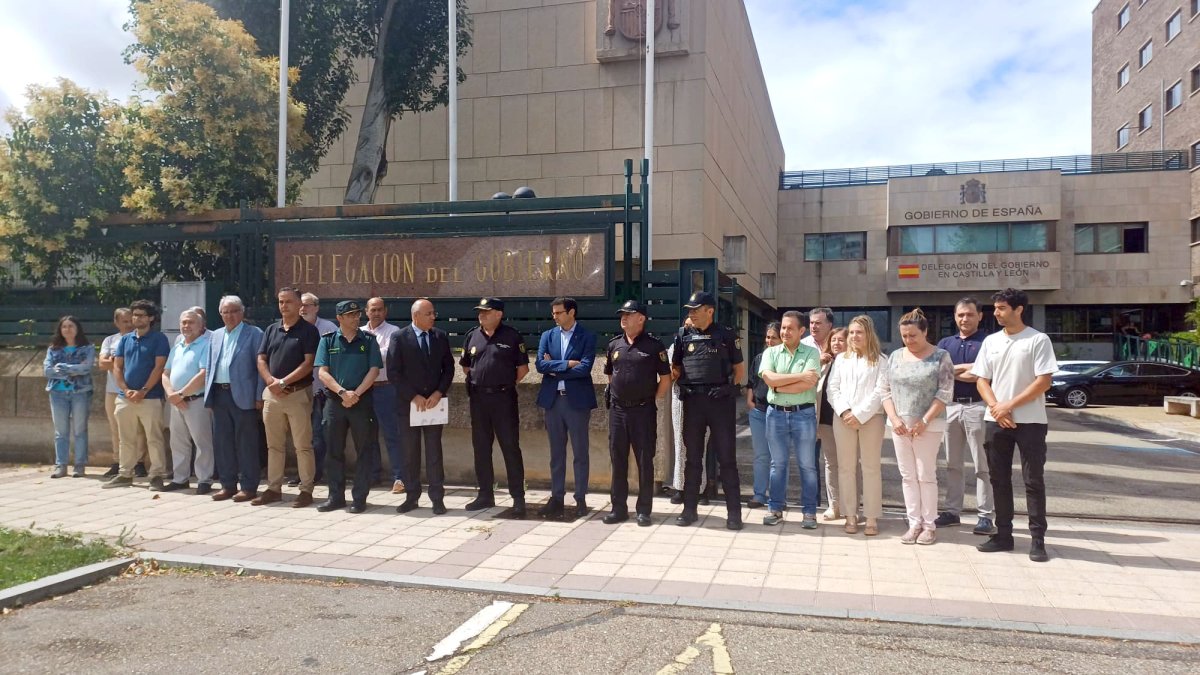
[{"x": 233, "y": 390}]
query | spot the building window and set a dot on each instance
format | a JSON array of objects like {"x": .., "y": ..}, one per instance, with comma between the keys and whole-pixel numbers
[
  {"x": 1195, "y": 78},
  {"x": 835, "y": 246},
  {"x": 973, "y": 238},
  {"x": 1146, "y": 118},
  {"x": 1123, "y": 137},
  {"x": 880, "y": 316},
  {"x": 1195, "y": 7},
  {"x": 766, "y": 283},
  {"x": 1195, "y": 230},
  {"x": 1145, "y": 54},
  {"x": 733, "y": 255},
  {"x": 1123, "y": 17},
  {"x": 1111, "y": 238},
  {"x": 1123, "y": 76},
  {"x": 1173, "y": 97},
  {"x": 1174, "y": 25},
  {"x": 1196, "y": 155}
]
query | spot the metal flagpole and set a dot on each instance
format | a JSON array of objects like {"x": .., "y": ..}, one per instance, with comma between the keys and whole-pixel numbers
[
  {"x": 452, "y": 74},
  {"x": 648, "y": 263},
  {"x": 281, "y": 165}
]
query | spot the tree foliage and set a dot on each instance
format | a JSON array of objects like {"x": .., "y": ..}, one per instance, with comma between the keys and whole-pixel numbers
[
  {"x": 325, "y": 38},
  {"x": 61, "y": 170},
  {"x": 209, "y": 137},
  {"x": 407, "y": 75}
]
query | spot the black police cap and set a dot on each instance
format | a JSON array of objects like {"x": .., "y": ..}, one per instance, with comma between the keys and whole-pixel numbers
[{"x": 699, "y": 299}]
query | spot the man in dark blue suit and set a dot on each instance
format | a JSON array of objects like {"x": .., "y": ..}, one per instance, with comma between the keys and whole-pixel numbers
[
  {"x": 565, "y": 356},
  {"x": 233, "y": 390}
]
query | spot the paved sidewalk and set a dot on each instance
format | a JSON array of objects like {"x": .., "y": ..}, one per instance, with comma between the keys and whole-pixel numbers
[
  {"x": 1103, "y": 579},
  {"x": 1145, "y": 418}
]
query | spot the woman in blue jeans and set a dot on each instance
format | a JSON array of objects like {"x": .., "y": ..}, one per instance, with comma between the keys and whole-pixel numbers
[
  {"x": 68, "y": 369},
  {"x": 756, "y": 402}
]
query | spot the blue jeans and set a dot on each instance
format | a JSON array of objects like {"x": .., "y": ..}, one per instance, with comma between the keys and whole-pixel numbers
[
  {"x": 389, "y": 424},
  {"x": 762, "y": 453},
  {"x": 69, "y": 410},
  {"x": 793, "y": 433}
]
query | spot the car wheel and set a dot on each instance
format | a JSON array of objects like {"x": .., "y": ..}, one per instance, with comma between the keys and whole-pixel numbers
[{"x": 1076, "y": 397}]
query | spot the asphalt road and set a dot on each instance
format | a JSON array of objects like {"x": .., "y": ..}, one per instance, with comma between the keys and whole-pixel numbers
[
  {"x": 190, "y": 622},
  {"x": 1093, "y": 470}
]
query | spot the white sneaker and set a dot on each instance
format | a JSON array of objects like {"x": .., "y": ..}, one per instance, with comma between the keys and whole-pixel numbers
[{"x": 832, "y": 513}]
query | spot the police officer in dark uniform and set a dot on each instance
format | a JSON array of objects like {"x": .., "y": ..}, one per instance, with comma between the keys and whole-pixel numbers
[
  {"x": 638, "y": 373},
  {"x": 494, "y": 360},
  {"x": 348, "y": 361},
  {"x": 706, "y": 355}
]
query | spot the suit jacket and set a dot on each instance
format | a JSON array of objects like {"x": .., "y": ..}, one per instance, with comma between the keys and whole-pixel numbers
[
  {"x": 413, "y": 373},
  {"x": 582, "y": 348},
  {"x": 244, "y": 382}
]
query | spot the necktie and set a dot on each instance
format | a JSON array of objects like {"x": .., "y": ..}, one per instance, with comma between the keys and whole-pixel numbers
[{"x": 425, "y": 343}]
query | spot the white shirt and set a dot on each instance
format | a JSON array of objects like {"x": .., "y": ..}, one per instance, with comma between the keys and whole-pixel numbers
[
  {"x": 564, "y": 341},
  {"x": 383, "y": 335},
  {"x": 810, "y": 341},
  {"x": 852, "y": 386},
  {"x": 1011, "y": 363},
  {"x": 109, "y": 348}
]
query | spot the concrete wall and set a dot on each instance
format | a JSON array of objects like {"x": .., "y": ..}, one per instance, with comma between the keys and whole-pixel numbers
[{"x": 540, "y": 108}]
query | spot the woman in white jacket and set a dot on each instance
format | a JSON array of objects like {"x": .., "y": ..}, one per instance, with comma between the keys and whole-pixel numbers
[{"x": 858, "y": 424}]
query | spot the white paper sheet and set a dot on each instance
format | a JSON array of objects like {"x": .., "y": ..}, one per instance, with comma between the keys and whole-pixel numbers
[{"x": 438, "y": 414}]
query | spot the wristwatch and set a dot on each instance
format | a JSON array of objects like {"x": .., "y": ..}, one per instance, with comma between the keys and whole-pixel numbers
[{"x": 341, "y": 392}]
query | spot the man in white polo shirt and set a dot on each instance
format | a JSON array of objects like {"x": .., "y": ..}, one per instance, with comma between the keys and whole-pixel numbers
[{"x": 1013, "y": 368}]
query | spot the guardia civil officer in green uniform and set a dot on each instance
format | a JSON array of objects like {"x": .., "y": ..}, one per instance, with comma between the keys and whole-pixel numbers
[
  {"x": 348, "y": 361},
  {"x": 638, "y": 373},
  {"x": 706, "y": 356},
  {"x": 494, "y": 360}
]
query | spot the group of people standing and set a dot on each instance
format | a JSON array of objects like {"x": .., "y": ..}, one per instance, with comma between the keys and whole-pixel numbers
[
  {"x": 969, "y": 392},
  {"x": 313, "y": 382}
]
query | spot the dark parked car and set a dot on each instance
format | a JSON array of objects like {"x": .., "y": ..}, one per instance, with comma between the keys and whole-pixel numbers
[{"x": 1130, "y": 382}]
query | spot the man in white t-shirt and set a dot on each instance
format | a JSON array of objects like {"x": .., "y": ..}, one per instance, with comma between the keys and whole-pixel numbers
[
  {"x": 123, "y": 321},
  {"x": 1013, "y": 368}
]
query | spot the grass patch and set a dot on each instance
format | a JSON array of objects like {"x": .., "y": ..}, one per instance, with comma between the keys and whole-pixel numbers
[{"x": 25, "y": 556}]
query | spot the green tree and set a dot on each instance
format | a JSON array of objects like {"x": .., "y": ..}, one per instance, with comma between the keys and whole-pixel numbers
[
  {"x": 406, "y": 41},
  {"x": 61, "y": 171},
  {"x": 407, "y": 75},
  {"x": 208, "y": 139},
  {"x": 325, "y": 39}
]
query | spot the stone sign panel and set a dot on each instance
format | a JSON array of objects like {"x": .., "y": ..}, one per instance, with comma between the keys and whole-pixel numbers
[
  {"x": 1019, "y": 196},
  {"x": 621, "y": 28},
  {"x": 446, "y": 267},
  {"x": 975, "y": 272}
]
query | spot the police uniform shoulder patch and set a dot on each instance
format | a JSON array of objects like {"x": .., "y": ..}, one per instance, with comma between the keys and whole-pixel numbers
[
  {"x": 521, "y": 346},
  {"x": 616, "y": 355},
  {"x": 737, "y": 342},
  {"x": 663, "y": 356},
  {"x": 691, "y": 347}
]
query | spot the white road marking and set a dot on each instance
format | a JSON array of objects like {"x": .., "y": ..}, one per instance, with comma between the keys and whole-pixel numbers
[
  {"x": 469, "y": 629},
  {"x": 711, "y": 639}
]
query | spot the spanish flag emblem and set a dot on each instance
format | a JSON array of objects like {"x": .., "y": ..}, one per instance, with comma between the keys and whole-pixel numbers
[{"x": 909, "y": 271}]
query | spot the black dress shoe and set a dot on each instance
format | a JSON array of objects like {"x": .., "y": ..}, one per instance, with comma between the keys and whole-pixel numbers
[
  {"x": 358, "y": 507},
  {"x": 331, "y": 505},
  {"x": 704, "y": 500},
  {"x": 996, "y": 543},
  {"x": 643, "y": 520},
  {"x": 686, "y": 518},
  {"x": 406, "y": 506},
  {"x": 614, "y": 518},
  {"x": 755, "y": 504},
  {"x": 677, "y": 498},
  {"x": 1037, "y": 551},
  {"x": 173, "y": 486},
  {"x": 203, "y": 488},
  {"x": 439, "y": 508},
  {"x": 293, "y": 482},
  {"x": 112, "y": 471},
  {"x": 553, "y": 509},
  {"x": 481, "y": 503},
  {"x": 518, "y": 509},
  {"x": 734, "y": 523},
  {"x": 139, "y": 470},
  {"x": 581, "y": 508}
]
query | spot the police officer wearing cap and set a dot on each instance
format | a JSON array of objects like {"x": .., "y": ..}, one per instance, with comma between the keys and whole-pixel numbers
[
  {"x": 638, "y": 373},
  {"x": 705, "y": 356},
  {"x": 494, "y": 360},
  {"x": 348, "y": 361}
]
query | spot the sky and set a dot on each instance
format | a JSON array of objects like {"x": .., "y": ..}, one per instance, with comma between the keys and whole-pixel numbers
[{"x": 852, "y": 82}]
